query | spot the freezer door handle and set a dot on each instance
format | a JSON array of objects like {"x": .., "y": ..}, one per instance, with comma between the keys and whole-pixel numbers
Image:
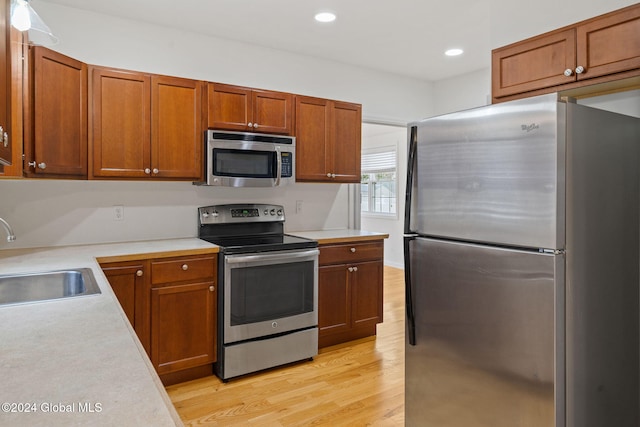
[
  {"x": 411, "y": 323},
  {"x": 411, "y": 165}
]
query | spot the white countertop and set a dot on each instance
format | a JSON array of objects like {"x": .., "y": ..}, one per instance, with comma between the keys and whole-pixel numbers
[
  {"x": 77, "y": 361},
  {"x": 338, "y": 236}
]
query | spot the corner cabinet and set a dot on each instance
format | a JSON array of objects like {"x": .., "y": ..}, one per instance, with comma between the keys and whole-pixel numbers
[
  {"x": 55, "y": 125},
  {"x": 350, "y": 291},
  {"x": 328, "y": 140},
  {"x": 145, "y": 126},
  {"x": 171, "y": 304},
  {"x": 249, "y": 110},
  {"x": 130, "y": 282},
  {"x": 598, "y": 50},
  {"x": 5, "y": 84}
]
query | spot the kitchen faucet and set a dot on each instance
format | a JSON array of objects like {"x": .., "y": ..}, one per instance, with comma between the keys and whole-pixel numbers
[{"x": 10, "y": 236}]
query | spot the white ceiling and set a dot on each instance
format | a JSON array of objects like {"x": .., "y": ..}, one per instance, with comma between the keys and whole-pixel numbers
[{"x": 406, "y": 37}]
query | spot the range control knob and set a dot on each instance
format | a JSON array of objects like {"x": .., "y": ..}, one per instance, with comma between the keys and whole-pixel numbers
[
  {"x": 266, "y": 211},
  {"x": 273, "y": 212},
  {"x": 279, "y": 212}
]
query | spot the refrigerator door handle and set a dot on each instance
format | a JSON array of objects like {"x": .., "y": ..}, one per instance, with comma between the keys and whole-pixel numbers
[
  {"x": 411, "y": 323},
  {"x": 411, "y": 165}
]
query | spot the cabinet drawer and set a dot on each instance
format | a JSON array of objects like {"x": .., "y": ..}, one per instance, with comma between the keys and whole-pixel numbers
[
  {"x": 181, "y": 269},
  {"x": 350, "y": 252}
]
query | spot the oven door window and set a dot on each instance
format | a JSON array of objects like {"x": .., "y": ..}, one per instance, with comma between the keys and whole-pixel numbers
[
  {"x": 271, "y": 292},
  {"x": 244, "y": 163}
]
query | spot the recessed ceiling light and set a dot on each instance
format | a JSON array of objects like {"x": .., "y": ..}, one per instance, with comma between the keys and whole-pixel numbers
[
  {"x": 325, "y": 17},
  {"x": 454, "y": 52}
]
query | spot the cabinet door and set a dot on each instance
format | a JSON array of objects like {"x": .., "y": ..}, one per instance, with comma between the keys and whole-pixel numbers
[
  {"x": 177, "y": 132},
  {"x": 183, "y": 324},
  {"x": 334, "y": 310},
  {"x": 346, "y": 141},
  {"x": 536, "y": 63},
  {"x": 272, "y": 112},
  {"x": 5, "y": 83},
  {"x": 610, "y": 44},
  {"x": 56, "y": 134},
  {"x": 366, "y": 281},
  {"x": 120, "y": 124},
  {"x": 312, "y": 139},
  {"x": 229, "y": 107},
  {"x": 130, "y": 283}
]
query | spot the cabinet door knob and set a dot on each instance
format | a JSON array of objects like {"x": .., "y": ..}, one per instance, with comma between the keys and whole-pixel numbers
[
  {"x": 155, "y": 170},
  {"x": 42, "y": 165},
  {"x": 6, "y": 139},
  {"x": 350, "y": 269},
  {"x": 580, "y": 69},
  {"x": 333, "y": 175},
  {"x": 250, "y": 124},
  {"x": 355, "y": 268},
  {"x": 212, "y": 288},
  {"x": 568, "y": 72},
  {"x": 139, "y": 273},
  {"x": 147, "y": 171},
  {"x": 185, "y": 267},
  {"x": 328, "y": 175},
  {"x": 255, "y": 125},
  {"x": 352, "y": 249}
]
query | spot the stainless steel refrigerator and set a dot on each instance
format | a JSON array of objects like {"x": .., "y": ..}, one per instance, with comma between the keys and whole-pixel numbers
[{"x": 521, "y": 267}]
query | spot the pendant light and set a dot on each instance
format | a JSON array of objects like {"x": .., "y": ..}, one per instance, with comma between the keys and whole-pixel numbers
[{"x": 25, "y": 19}]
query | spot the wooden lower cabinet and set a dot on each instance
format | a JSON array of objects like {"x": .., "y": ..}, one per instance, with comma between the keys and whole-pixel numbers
[
  {"x": 350, "y": 291},
  {"x": 130, "y": 282},
  {"x": 171, "y": 303}
]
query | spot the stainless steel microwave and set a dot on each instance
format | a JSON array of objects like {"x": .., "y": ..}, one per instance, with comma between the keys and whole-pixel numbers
[{"x": 243, "y": 159}]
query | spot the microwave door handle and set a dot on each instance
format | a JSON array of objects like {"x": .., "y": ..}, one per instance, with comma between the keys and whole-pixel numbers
[{"x": 278, "y": 166}]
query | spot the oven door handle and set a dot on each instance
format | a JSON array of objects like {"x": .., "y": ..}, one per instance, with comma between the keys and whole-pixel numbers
[{"x": 288, "y": 256}]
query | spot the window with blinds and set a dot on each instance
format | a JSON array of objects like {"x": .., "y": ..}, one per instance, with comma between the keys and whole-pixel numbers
[{"x": 378, "y": 193}]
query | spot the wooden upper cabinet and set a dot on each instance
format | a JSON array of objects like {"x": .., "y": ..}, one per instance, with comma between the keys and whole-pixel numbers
[
  {"x": 347, "y": 139},
  {"x": 328, "y": 140},
  {"x": 120, "y": 130},
  {"x": 610, "y": 44},
  {"x": 534, "y": 64},
  {"x": 245, "y": 109},
  {"x": 146, "y": 126},
  {"x": 55, "y": 130},
  {"x": 5, "y": 84},
  {"x": 177, "y": 127},
  {"x": 312, "y": 138},
  {"x": 599, "y": 50}
]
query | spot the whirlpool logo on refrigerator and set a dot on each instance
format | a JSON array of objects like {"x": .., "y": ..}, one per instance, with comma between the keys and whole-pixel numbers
[{"x": 529, "y": 128}]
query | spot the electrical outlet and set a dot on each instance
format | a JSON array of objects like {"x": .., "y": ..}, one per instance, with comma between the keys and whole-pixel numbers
[
  {"x": 298, "y": 206},
  {"x": 118, "y": 213}
]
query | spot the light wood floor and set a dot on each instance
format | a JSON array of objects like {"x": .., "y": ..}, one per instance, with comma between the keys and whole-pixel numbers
[{"x": 356, "y": 384}]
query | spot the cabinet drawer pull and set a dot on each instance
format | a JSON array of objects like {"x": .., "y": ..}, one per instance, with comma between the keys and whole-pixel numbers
[
  {"x": 139, "y": 273},
  {"x": 353, "y": 250},
  {"x": 212, "y": 288},
  {"x": 185, "y": 267}
]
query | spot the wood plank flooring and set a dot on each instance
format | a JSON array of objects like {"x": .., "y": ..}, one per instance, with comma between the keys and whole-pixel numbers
[{"x": 360, "y": 383}]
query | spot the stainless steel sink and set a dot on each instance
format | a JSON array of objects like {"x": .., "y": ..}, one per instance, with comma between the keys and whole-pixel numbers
[{"x": 47, "y": 285}]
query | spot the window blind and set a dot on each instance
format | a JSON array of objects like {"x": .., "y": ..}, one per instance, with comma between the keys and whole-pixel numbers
[{"x": 379, "y": 161}]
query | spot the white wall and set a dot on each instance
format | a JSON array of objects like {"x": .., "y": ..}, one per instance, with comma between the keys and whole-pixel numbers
[
  {"x": 57, "y": 212},
  {"x": 462, "y": 92}
]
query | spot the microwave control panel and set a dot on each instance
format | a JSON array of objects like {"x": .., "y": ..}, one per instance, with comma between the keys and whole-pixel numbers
[{"x": 287, "y": 164}]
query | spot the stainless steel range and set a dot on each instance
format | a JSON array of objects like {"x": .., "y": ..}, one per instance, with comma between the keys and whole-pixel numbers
[{"x": 268, "y": 288}]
